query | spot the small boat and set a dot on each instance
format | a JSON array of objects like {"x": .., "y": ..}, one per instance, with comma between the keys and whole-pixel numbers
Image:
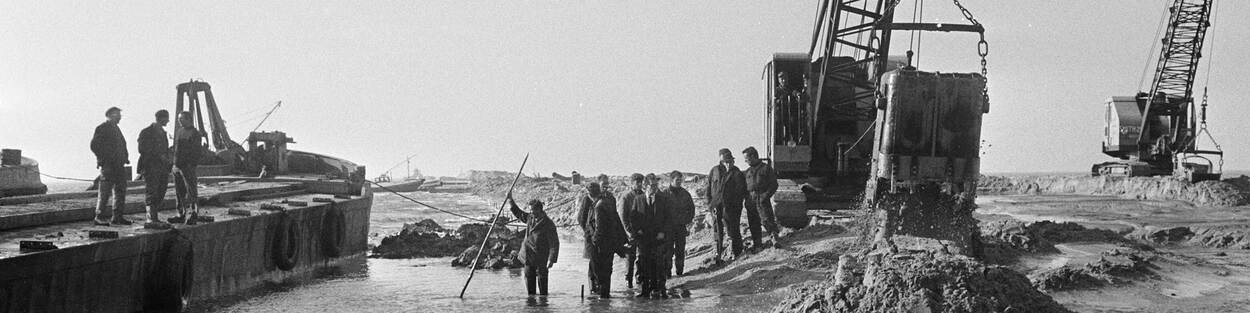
[
  {"x": 19, "y": 175},
  {"x": 407, "y": 185}
]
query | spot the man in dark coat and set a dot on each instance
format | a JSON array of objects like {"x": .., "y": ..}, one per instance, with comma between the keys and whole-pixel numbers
[
  {"x": 683, "y": 214},
  {"x": 111, "y": 156},
  {"x": 629, "y": 200},
  {"x": 726, "y": 190},
  {"x": 188, "y": 148},
  {"x": 541, "y": 247},
  {"x": 154, "y": 165},
  {"x": 650, "y": 225},
  {"x": 606, "y": 235},
  {"x": 761, "y": 185}
]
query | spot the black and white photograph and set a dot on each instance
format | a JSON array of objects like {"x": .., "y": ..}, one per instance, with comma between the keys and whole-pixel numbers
[{"x": 867, "y": 156}]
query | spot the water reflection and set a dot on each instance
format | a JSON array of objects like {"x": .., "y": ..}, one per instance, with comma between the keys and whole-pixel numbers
[{"x": 432, "y": 285}]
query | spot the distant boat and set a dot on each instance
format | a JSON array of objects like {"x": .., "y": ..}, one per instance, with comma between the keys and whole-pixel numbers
[
  {"x": 19, "y": 175},
  {"x": 407, "y": 185}
]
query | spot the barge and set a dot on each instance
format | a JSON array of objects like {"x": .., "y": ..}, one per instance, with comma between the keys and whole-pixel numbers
[{"x": 267, "y": 215}]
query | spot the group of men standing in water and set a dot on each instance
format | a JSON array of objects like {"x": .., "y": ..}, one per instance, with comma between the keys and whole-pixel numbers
[{"x": 648, "y": 224}]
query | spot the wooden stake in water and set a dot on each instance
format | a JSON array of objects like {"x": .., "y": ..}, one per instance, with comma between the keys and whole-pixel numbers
[{"x": 473, "y": 268}]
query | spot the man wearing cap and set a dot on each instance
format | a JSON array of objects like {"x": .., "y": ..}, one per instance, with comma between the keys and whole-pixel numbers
[
  {"x": 605, "y": 236},
  {"x": 541, "y": 246},
  {"x": 682, "y": 205},
  {"x": 155, "y": 162},
  {"x": 631, "y": 201},
  {"x": 725, "y": 192},
  {"x": 109, "y": 146},
  {"x": 761, "y": 185}
]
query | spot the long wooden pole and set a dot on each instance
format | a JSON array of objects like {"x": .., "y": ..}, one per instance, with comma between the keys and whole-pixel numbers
[{"x": 473, "y": 268}]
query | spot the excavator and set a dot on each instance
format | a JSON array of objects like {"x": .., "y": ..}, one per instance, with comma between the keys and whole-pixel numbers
[
  {"x": 266, "y": 154},
  {"x": 1155, "y": 133},
  {"x": 849, "y": 125}
]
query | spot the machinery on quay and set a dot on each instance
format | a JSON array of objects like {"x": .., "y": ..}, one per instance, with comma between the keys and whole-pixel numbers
[
  {"x": 848, "y": 124},
  {"x": 1155, "y": 132},
  {"x": 266, "y": 153}
]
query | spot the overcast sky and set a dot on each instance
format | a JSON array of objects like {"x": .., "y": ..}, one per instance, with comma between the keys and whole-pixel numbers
[{"x": 594, "y": 86}]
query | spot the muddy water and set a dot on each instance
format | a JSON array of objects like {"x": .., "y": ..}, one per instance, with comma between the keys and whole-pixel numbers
[{"x": 432, "y": 285}]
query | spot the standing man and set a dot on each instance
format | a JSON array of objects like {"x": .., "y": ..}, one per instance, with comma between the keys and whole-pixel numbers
[
  {"x": 652, "y": 222},
  {"x": 154, "y": 165},
  {"x": 586, "y": 206},
  {"x": 606, "y": 236},
  {"x": 631, "y": 201},
  {"x": 762, "y": 184},
  {"x": 683, "y": 214},
  {"x": 726, "y": 189},
  {"x": 111, "y": 157},
  {"x": 188, "y": 145},
  {"x": 541, "y": 246}
]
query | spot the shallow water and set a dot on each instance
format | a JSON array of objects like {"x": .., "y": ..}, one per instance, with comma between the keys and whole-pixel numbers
[{"x": 432, "y": 285}]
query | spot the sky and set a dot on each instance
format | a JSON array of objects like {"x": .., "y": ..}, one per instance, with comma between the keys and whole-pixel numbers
[{"x": 594, "y": 86}]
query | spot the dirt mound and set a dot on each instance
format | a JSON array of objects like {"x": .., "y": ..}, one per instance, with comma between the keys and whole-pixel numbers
[
  {"x": 1226, "y": 193},
  {"x": 1232, "y": 235},
  {"x": 1113, "y": 267},
  {"x": 924, "y": 283},
  {"x": 427, "y": 239},
  {"x": 1005, "y": 240}
]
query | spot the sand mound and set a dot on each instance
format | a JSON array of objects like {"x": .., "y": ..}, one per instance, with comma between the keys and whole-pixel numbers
[
  {"x": 925, "y": 283},
  {"x": 1112, "y": 267},
  {"x": 1226, "y": 193}
]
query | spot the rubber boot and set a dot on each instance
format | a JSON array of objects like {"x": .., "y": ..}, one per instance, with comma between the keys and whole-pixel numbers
[
  {"x": 542, "y": 285},
  {"x": 529, "y": 282}
]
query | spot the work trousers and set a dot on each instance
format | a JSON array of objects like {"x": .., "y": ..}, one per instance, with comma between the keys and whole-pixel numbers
[
  {"x": 601, "y": 272},
  {"x": 677, "y": 254},
  {"x": 112, "y": 186},
  {"x": 760, "y": 207},
  {"x": 536, "y": 276},
  {"x": 651, "y": 270},
  {"x": 185, "y": 187},
  {"x": 155, "y": 183},
  {"x": 631, "y": 260},
  {"x": 728, "y": 217}
]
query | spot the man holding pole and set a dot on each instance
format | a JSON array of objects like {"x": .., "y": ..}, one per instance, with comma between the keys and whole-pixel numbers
[{"x": 541, "y": 246}]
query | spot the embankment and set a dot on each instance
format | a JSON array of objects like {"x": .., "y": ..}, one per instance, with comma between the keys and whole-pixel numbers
[{"x": 1225, "y": 193}]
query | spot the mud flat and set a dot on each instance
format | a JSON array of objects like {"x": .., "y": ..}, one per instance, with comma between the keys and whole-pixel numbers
[{"x": 1225, "y": 193}]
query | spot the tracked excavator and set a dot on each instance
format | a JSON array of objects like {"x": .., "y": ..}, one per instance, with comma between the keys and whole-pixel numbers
[
  {"x": 1155, "y": 132},
  {"x": 848, "y": 125}
]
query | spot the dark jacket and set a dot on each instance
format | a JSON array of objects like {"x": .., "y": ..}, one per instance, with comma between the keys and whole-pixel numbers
[
  {"x": 649, "y": 216},
  {"x": 585, "y": 206},
  {"x": 541, "y": 244},
  {"x": 725, "y": 187},
  {"x": 109, "y": 146},
  {"x": 190, "y": 148},
  {"x": 625, "y": 208},
  {"x": 682, "y": 205},
  {"x": 153, "y": 149},
  {"x": 605, "y": 234},
  {"x": 761, "y": 179}
]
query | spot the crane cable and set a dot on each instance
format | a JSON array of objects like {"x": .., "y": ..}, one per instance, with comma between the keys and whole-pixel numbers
[{"x": 1150, "y": 53}]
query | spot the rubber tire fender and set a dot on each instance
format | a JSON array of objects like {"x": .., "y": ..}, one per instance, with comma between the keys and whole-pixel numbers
[
  {"x": 169, "y": 286},
  {"x": 286, "y": 242},
  {"x": 333, "y": 231}
]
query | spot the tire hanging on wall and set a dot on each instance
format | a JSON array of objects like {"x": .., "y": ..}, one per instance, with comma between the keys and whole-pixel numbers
[
  {"x": 333, "y": 231},
  {"x": 170, "y": 283},
  {"x": 286, "y": 242}
]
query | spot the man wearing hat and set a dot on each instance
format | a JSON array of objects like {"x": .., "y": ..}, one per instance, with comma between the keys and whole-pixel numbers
[
  {"x": 604, "y": 237},
  {"x": 726, "y": 190},
  {"x": 761, "y": 185}
]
